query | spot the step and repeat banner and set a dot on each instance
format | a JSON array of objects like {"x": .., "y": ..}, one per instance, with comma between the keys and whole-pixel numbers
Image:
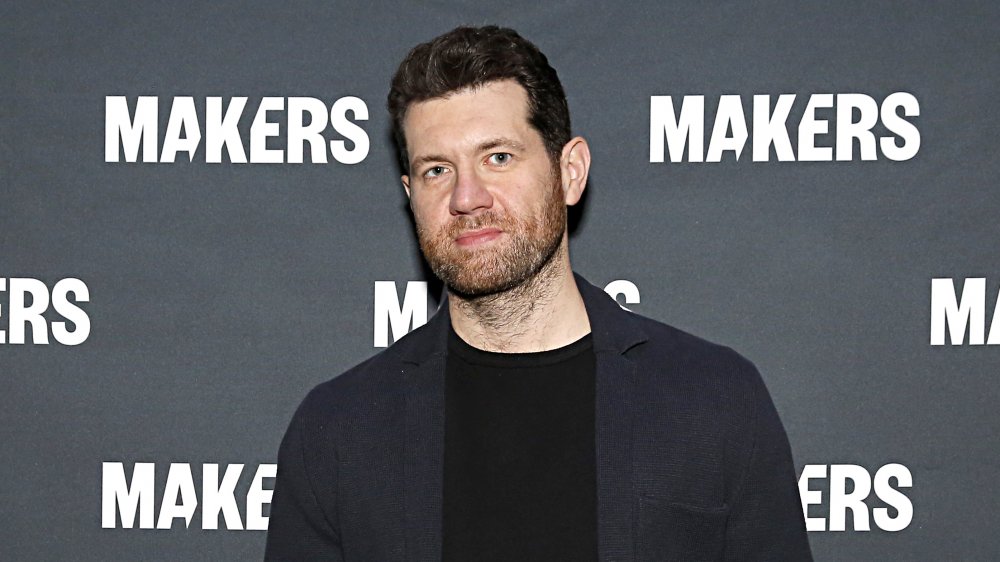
[{"x": 202, "y": 218}]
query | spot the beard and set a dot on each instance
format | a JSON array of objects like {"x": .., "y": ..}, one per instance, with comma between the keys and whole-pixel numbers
[{"x": 529, "y": 245}]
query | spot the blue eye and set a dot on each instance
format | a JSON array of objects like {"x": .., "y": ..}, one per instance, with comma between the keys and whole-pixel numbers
[
  {"x": 500, "y": 158},
  {"x": 434, "y": 172}
]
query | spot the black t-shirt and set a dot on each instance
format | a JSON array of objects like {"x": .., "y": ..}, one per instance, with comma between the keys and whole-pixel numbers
[{"x": 519, "y": 455}]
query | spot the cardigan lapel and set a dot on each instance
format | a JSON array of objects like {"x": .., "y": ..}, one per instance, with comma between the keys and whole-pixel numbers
[
  {"x": 615, "y": 331},
  {"x": 613, "y": 434},
  {"x": 424, "y": 464},
  {"x": 423, "y": 358}
]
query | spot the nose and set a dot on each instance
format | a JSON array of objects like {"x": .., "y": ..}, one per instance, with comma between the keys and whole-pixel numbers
[{"x": 470, "y": 194}]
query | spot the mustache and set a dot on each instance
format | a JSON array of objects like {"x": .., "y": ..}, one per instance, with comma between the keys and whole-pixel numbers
[{"x": 488, "y": 219}]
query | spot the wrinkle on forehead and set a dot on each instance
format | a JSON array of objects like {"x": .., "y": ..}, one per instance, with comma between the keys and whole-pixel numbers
[{"x": 495, "y": 112}]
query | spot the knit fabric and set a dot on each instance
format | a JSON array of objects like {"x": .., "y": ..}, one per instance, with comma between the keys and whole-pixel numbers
[{"x": 692, "y": 460}]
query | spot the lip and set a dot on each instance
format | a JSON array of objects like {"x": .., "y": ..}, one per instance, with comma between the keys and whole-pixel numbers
[{"x": 480, "y": 236}]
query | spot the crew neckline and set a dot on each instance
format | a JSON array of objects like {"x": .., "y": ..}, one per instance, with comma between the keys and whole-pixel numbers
[{"x": 471, "y": 354}]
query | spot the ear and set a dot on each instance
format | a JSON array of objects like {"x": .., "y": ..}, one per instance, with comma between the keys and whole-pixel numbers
[
  {"x": 406, "y": 184},
  {"x": 574, "y": 165}
]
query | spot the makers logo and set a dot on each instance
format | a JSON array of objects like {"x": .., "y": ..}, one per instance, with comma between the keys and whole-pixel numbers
[
  {"x": 965, "y": 316},
  {"x": 28, "y": 301},
  {"x": 851, "y": 488},
  {"x": 122, "y": 500},
  {"x": 856, "y": 117},
  {"x": 123, "y": 130},
  {"x": 402, "y": 317}
]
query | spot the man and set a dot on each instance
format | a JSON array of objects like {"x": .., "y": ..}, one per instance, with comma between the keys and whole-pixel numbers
[{"x": 532, "y": 418}]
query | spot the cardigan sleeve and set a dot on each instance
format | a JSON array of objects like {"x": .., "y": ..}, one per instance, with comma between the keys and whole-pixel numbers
[
  {"x": 299, "y": 528},
  {"x": 766, "y": 520}
]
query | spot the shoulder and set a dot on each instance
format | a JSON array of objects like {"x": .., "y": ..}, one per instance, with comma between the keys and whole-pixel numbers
[
  {"x": 669, "y": 361},
  {"x": 371, "y": 386},
  {"x": 701, "y": 411},
  {"x": 676, "y": 363},
  {"x": 672, "y": 346},
  {"x": 371, "y": 381}
]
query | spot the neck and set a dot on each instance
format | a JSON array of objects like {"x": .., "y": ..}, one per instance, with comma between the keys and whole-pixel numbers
[{"x": 545, "y": 312}]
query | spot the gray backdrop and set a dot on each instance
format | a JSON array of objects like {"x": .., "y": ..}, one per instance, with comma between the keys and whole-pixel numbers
[{"x": 220, "y": 293}]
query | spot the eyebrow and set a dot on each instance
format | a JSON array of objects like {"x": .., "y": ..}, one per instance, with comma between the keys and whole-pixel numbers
[
  {"x": 499, "y": 142},
  {"x": 490, "y": 144}
]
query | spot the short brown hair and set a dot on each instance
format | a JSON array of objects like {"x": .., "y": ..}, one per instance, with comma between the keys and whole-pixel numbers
[{"x": 468, "y": 57}]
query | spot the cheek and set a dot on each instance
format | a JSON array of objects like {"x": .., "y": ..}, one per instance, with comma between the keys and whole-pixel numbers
[
  {"x": 527, "y": 205},
  {"x": 428, "y": 216},
  {"x": 431, "y": 199}
]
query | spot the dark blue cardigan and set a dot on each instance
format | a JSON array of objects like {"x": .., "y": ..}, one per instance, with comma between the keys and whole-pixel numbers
[{"x": 692, "y": 460}]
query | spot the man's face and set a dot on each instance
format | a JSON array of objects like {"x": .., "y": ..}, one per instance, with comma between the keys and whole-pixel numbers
[{"x": 487, "y": 199}]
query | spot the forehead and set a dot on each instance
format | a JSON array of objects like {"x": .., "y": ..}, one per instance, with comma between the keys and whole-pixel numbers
[{"x": 467, "y": 117}]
